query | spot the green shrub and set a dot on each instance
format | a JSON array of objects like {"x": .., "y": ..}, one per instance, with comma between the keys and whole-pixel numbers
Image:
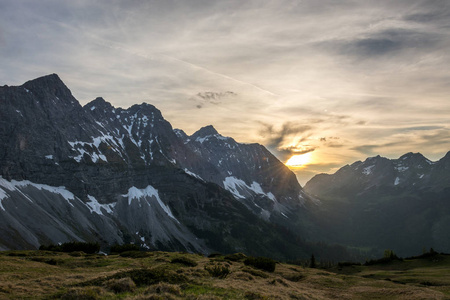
[
  {"x": 255, "y": 272},
  {"x": 294, "y": 277},
  {"x": 214, "y": 254},
  {"x": 262, "y": 263},
  {"x": 219, "y": 271},
  {"x": 388, "y": 257},
  {"x": 384, "y": 260},
  {"x": 50, "y": 261},
  {"x": 135, "y": 254},
  {"x": 86, "y": 247},
  {"x": 92, "y": 293},
  {"x": 184, "y": 261},
  {"x": 125, "y": 247},
  {"x": 16, "y": 253},
  {"x": 235, "y": 256},
  {"x": 348, "y": 264},
  {"x": 312, "y": 261},
  {"x": 254, "y": 296},
  {"x": 164, "y": 288},
  {"x": 151, "y": 276},
  {"x": 121, "y": 285}
]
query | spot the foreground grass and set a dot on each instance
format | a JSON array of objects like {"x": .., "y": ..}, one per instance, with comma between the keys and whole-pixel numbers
[{"x": 163, "y": 275}]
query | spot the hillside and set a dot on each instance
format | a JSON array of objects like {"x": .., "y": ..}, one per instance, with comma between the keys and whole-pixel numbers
[{"x": 167, "y": 275}]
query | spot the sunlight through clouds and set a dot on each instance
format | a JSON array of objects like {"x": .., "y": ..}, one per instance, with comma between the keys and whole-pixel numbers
[{"x": 340, "y": 79}]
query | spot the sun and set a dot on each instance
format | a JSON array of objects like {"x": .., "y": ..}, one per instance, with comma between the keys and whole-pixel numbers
[{"x": 299, "y": 160}]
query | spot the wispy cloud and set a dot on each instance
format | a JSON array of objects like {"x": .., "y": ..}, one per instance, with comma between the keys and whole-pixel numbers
[
  {"x": 203, "y": 98},
  {"x": 291, "y": 138},
  {"x": 372, "y": 74}
]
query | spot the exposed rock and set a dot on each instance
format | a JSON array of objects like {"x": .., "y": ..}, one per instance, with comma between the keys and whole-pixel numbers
[{"x": 212, "y": 193}]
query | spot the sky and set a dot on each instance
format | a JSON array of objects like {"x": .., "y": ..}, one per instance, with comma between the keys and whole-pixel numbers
[{"x": 335, "y": 81}]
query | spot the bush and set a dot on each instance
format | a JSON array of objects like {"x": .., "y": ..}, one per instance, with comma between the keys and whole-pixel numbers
[
  {"x": 429, "y": 254},
  {"x": 235, "y": 256},
  {"x": 255, "y": 272},
  {"x": 125, "y": 247},
  {"x": 254, "y": 296},
  {"x": 135, "y": 254},
  {"x": 384, "y": 260},
  {"x": 151, "y": 276},
  {"x": 184, "y": 261},
  {"x": 82, "y": 294},
  {"x": 73, "y": 246},
  {"x": 77, "y": 253},
  {"x": 164, "y": 288},
  {"x": 50, "y": 261},
  {"x": 312, "y": 261},
  {"x": 218, "y": 271},
  {"x": 262, "y": 263},
  {"x": 121, "y": 285},
  {"x": 214, "y": 254},
  {"x": 348, "y": 264}
]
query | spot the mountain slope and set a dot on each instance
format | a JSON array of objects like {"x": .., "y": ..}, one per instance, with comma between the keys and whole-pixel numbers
[
  {"x": 401, "y": 204},
  {"x": 132, "y": 178}
]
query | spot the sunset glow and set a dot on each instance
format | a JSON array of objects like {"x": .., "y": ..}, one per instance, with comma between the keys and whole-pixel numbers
[
  {"x": 299, "y": 160},
  {"x": 345, "y": 80}
]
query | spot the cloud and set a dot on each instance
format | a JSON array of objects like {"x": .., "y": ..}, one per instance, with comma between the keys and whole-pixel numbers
[
  {"x": 430, "y": 12},
  {"x": 280, "y": 139},
  {"x": 203, "y": 98},
  {"x": 369, "y": 73},
  {"x": 401, "y": 140}
]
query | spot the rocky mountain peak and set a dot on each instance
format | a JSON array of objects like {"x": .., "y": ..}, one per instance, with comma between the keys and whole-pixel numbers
[
  {"x": 374, "y": 159},
  {"x": 145, "y": 109},
  {"x": 46, "y": 80},
  {"x": 124, "y": 171},
  {"x": 98, "y": 102},
  {"x": 181, "y": 134},
  {"x": 446, "y": 157},
  {"x": 50, "y": 85},
  {"x": 205, "y": 131},
  {"x": 413, "y": 157},
  {"x": 410, "y": 171}
]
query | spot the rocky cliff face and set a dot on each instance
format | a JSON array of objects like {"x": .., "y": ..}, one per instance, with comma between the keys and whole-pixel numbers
[
  {"x": 400, "y": 204},
  {"x": 118, "y": 175},
  {"x": 249, "y": 171}
]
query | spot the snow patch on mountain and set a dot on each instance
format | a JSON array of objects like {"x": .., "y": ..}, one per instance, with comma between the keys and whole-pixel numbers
[
  {"x": 368, "y": 170},
  {"x": 202, "y": 139},
  {"x": 3, "y": 195},
  {"x": 193, "y": 174},
  {"x": 15, "y": 185},
  {"x": 237, "y": 187},
  {"x": 95, "y": 206},
  {"x": 92, "y": 148},
  {"x": 149, "y": 191},
  {"x": 401, "y": 168}
]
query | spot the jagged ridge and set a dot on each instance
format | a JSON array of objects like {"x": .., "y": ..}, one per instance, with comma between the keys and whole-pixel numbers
[{"x": 211, "y": 184}]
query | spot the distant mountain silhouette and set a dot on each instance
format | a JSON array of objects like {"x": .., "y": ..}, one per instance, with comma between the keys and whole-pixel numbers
[{"x": 401, "y": 204}]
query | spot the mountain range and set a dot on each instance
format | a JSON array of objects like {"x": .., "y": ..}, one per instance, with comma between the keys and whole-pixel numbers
[
  {"x": 381, "y": 203},
  {"x": 99, "y": 173}
]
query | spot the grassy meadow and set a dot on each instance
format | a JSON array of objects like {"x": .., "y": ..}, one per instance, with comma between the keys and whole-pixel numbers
[{"x": 167, "y": 275}]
